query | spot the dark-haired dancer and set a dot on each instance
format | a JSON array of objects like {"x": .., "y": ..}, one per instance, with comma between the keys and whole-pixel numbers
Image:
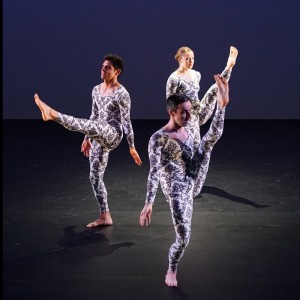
[
  {"x": 178, "y": 163},
  {"x": 110, "y": 118}
]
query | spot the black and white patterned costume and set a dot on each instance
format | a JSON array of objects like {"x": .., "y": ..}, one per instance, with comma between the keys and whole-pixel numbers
[
  {"x": 181, "y": 168},
  {"x": 201, "y": 110},
  {"x": 110, "y": 117}
]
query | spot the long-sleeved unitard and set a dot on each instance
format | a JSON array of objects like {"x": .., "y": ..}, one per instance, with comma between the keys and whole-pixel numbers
[
  {"x": 201, "y": 110},
  {"x": 110, "y": 117},
  {"x": 181, "y": 168}
]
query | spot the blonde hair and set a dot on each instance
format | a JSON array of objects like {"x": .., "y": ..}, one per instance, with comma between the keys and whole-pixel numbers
[{"x": 182, "y": 51}]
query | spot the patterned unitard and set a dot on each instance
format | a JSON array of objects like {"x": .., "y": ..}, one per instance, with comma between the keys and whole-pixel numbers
[
  {"x": 201, "y": 110},
  {"x": 181, "y": 168},
  {"x": 110, "y": 117}
]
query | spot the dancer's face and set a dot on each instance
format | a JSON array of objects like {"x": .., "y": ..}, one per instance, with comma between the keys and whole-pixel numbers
[
  {"x": 182, "y": 113},
  {"x": 187, "y": 60},
  {"x": 108, "y": 72}
]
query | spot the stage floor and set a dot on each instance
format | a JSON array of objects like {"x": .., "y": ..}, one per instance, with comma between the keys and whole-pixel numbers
[{"x": 245, "y": 241}]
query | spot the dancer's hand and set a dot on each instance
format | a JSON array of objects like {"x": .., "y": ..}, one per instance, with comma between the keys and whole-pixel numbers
[
  {"x": 85, "y": 147},
  {"x": 135, "y": 156},
  {"x": 145, "y": 216}
]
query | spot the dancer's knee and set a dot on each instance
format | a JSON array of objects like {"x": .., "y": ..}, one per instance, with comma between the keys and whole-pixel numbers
[{"x": 183, "y": 237}]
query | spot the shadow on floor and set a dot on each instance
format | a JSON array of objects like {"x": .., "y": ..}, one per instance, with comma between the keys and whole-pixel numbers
[{"x": 223, "y": 194}]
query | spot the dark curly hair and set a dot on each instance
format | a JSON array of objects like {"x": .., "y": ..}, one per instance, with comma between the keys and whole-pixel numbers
[{"x": 115, "y": 60}]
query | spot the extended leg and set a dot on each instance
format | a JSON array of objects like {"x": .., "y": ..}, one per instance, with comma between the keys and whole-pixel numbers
[
  {"x": 202, "y": 158},
  {"x": 99, "y": 130},
  {"x": 208, "y": 101},
  {"x": 205, "y": 151}
]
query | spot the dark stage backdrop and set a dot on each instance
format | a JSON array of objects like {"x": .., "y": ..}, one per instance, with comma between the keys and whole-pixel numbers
[{"x": 55, "y": 48}]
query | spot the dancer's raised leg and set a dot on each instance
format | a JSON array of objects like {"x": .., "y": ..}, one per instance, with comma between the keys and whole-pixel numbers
[
  {"x": 223, "y": 91},
  {"x": 213, "y": 134},
  {"x": 208, "y": 101},
  {"x": 48, "y": 113},
  {"x": 101, "y": 132}
]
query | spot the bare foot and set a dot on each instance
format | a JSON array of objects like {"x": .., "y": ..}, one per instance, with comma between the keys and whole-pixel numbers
[
  {"x": 223, "y": 91},
  {"x": 171, "y": 279},
  {"x": 232, "y": 58},
  {"x": 104, "y": 220},
  {"x": 47, "y": 112}
]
